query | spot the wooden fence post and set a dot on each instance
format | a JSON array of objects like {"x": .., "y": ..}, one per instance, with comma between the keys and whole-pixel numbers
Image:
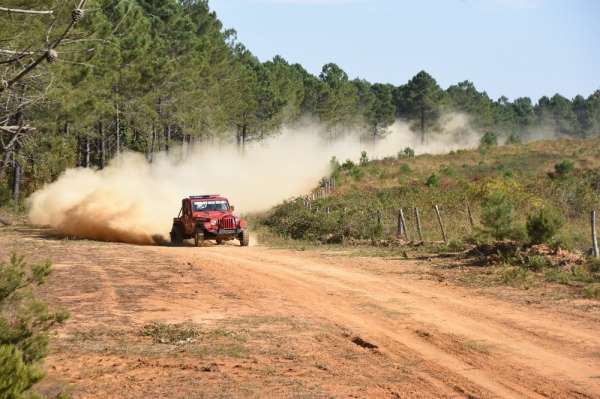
[
  {"x": 400, "y": 226},
  {"x": 471, "y": 221},
  {"x": 404, "y": 227},
  {"x": 595, "y": 252},
  {"x": 439, "y": 218},
  {"x": 418, "y": 219}
]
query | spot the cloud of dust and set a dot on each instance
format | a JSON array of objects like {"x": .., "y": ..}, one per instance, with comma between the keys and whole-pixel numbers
[{"x": 133, "y": 200}]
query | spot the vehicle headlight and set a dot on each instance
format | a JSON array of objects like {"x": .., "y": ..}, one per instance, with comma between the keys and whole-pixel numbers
[{"x": 214, "y": 222}]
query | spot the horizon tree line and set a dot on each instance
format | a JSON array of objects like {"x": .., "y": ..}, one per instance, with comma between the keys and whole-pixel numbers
[{"x": 144, "y": 75}]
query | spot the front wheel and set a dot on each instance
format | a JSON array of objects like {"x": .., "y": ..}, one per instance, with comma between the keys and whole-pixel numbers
[
  {"x": 244, "y": 238},
  {"x": 177, "y": 235},
  {"x": 198, "y": 238}
]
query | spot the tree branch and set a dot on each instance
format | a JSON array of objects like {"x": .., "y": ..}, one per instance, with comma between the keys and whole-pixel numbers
[
  {"x": 36, "y": 62},
  {"x": 20, "y": 11}
]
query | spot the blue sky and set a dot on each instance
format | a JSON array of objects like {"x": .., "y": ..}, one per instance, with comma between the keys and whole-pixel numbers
[{"x": 506, "y": 47}]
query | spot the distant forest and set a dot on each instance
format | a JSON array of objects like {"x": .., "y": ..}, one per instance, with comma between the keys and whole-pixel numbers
[{"x": 145, "y": 75}]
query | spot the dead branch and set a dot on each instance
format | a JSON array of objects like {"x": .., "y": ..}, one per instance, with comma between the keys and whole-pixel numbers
[
  {"x": 21, "y": 11},
  {"x": 49, "y": 54}
]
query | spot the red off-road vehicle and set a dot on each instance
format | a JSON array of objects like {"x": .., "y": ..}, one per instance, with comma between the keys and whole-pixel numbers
[{"x": 208, "y": 217}]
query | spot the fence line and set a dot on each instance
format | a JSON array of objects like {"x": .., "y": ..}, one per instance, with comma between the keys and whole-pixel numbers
[{"x": 401, "y": 222}]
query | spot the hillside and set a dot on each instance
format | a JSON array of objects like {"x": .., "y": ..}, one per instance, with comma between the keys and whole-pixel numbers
[{"x": 562, "y": 175}]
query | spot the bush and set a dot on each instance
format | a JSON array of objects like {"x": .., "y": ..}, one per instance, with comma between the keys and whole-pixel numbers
[
  {"x": 536, "y": 262},
  {"x": 433, "y": 181},
  {"x": 489, "y": 139},
  {"x": 409, "y": 153},
  {"x": 543, "y": 226},
  {"x": 513, "y": 139},
  {"x": 564, "y": 168},
  {"x": 24, "y": 325},
  {"x": 335, "y": 167},
  {"x": 364, "y": 159},
  {"x": 405, "y": 168},
  {"x": 356, "y": 173},
  {"x": 497, "y": 217}
]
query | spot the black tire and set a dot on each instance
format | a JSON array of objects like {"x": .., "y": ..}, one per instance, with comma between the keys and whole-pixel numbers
[
  {"x": 198, "y": 238},
  {"x": 244, "y": 238},
  {"x": 177, "y": 235},
  {"x": 220, "y": 242}
]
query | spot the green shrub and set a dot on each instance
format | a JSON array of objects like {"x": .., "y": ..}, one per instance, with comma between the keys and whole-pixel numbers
[
  {"x": 564, "y": 168},
  {"x": 348, "y": 165},
  {"x": 536, "y": 262},
  {"x": 5, "y": 193},
  {"x": 497, "y": 215},
  {"x": 405, "y": 168},
  {"x": 489, "y": 139},
  {"x": 356, "y": 173},
  {"x": 24, "y": 325},
  {"x": 409, "y": 153},
  {"x": 513, "y": 139},
  {"x": 433, "y": 181},
  {"x": 543, "y": 225},
  {"x": 335, "y": 167}
]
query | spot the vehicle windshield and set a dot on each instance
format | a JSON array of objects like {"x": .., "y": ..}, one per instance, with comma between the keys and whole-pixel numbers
[{"x": 213, "y": 205}]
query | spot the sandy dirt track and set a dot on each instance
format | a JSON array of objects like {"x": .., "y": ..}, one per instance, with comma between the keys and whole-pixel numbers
[{"x": 281, "y": 323}]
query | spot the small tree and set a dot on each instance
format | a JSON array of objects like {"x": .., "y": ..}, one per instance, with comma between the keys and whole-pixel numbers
[
  {"x": 433, "y": 180},
  {"x": 497, "y": 216},
  {"x": 543, "y": 226},
  {"x": 489, "y": 139},
  {"x": 406, "y": 153},
  {"x": 364, "y": 158},
  {"x": 563, "y": 168},
  {"x": 24, "y": 325}
]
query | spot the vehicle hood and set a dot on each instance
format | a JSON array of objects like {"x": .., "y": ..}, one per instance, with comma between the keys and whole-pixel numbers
[{"x": 210, "y": 214}]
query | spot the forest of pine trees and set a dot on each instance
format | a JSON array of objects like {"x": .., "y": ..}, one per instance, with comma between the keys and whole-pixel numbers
[{"x": 145, "y": 75}]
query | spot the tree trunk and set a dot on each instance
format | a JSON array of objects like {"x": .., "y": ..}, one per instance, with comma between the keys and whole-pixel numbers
[
  {"x": 167, "y": 137},
  {"x": 87, "y": 151},
  {"x": 244, "y": 135},
  {"x": 17, "y": 181},
  {"x": 422, "y": 126},
  {"x": 152, "y": 142},
  {"x": 118, "y": 132},
  {"x": 102, "y": 146}
]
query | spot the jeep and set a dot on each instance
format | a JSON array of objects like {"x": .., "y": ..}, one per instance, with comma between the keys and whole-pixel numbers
[{"x": 208, "y": 217}]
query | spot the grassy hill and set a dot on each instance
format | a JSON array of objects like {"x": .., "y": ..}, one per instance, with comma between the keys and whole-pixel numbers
[{"x": 561, "y": 176}]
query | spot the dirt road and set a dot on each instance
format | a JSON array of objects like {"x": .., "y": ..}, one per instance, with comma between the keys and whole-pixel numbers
[{"x": 281, "y": 323}]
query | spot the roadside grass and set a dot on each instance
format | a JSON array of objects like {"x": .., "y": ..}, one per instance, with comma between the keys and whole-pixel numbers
[{"x": 159, "y": 338}]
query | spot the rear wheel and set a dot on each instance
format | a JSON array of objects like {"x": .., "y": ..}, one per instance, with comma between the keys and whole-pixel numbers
[
  {"x": 177, "y": 235},
  {"x": 244, "y": 238},
  {"x": 220, "y": 242},
  {"x": 198, "y": 238}
]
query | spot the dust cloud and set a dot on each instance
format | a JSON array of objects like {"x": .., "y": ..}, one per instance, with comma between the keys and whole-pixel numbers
[{"x": 133, "y": 200}]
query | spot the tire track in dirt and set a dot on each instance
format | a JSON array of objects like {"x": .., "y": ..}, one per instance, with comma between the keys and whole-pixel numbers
[
  {"x": 433, "y": 340},
  {"x": 529, "y": 356}
]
